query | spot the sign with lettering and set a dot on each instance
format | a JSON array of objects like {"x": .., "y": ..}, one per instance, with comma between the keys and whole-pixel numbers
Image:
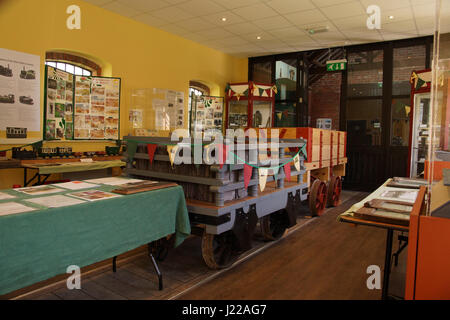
[{"x": 337, "y": 65}]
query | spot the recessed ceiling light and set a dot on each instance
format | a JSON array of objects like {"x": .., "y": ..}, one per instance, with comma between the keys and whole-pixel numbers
[
  {"x": 258, "y": 37},
  {"x": 391, "y": 17},
  {"x": 224, "y": 19}
]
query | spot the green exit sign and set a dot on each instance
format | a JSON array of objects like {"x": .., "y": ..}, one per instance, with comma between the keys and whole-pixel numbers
[{"x": 337, "y": 65}]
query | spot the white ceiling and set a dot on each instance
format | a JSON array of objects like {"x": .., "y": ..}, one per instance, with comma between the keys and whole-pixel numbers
[{"x": 281, "y": 24}]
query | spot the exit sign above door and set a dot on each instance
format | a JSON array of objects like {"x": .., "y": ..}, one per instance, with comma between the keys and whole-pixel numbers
[{"x": 337, "y": 65}]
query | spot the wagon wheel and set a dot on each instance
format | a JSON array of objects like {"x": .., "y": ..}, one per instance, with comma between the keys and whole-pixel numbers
[
  {"x": 317, "y": 197},
  {"x": 218, "y": 250},
  {"x": 334, "y": 191},
  {"x": 273, "y": 226}
]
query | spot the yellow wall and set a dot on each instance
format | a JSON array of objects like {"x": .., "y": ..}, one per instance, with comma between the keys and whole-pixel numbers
[{"x": 143, "y": 56}]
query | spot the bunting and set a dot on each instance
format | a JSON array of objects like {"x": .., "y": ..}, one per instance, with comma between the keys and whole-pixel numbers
[
  {"x": 287, "y": 171},
  {"x": 172, "y": 150},
  {"x": 297, "y": 162},
  {"x": 262, "y": 172},
  {"x": 223, "y": 154},
  {"x": 248, "y": 170},
  {"x": 151, "y": 148},
  {"x": 131, "y": 147}
]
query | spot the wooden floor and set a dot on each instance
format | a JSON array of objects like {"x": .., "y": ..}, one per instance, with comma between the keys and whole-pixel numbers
[{"x": 320, "y": 258}]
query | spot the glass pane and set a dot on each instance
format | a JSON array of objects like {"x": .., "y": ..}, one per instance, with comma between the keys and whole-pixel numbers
[
  {"x": 78, "y": 71},
  {"x": 70, "y": 68},
  {"x": 406, "y": 60},
  {"x": 285, "y": 114},
  {"x": 61, "y": 66},
  {"x": 365, "y": 74},
  {"x": 237, "y": 114},
  {"x": 400, "y": 121},
  {"x": 262, "y": 114},
  {"x": 86, "y": 72},
  {"x": 364, "y": 122},
  {"x": 51, "y": 64},
  {"x": 286, "y": 79},
  {"x": 262, "y": 72},
  {"x": 420, "y": 133}
]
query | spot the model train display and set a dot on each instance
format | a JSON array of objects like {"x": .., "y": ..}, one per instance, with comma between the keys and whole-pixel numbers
[{"x": 60, "y": 152}]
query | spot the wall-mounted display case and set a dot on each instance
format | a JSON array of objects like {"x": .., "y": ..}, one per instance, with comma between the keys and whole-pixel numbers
[
  {"x": 250, "y": 105},
  {"x": 206, "y": 113}
]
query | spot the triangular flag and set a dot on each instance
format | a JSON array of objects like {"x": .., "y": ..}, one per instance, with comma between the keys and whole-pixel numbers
[
  {"x": 262, "y": 172},
  {"x": 131, "y": 147},
  {"x": 248, "y": 170},
  {"x": 274, "y": 89},
  {"x": 297, "y": 162},
  {"x": 286, "y": 113},
  {"x": 172, "y": 150},
  {"x": 279, "y": 114},
  {"x": 420, "y": 83},
  {"x": 151, "y": 148},
  {"x": 260, "y": 91},
  {"x": 275, "y": 173},
  {"x": 287, "y": 171}
]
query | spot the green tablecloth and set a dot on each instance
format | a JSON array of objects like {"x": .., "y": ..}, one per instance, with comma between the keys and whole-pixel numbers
[
  {"x": 40, "y": 244},
  {"x": 77, "y": 166}
]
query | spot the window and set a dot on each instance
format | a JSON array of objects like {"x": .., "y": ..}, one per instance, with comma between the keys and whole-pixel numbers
[
  {"x": 262, "y": 72},
  {"x": 70, "y": 68}
]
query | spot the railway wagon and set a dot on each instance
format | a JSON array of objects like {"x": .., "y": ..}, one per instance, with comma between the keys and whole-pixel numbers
[
  {"x": 222, "y": 210},
  {"x": 326, "y": 152}
]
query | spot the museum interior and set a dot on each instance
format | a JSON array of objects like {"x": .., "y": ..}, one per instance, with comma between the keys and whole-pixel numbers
[{"x": 225, "y": 150}]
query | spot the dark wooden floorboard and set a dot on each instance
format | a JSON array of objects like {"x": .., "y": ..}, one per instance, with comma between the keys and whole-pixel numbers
[{"x": 326, "y": 259}]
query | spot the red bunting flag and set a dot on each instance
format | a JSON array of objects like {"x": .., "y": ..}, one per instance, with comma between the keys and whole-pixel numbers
[
  {"x": 287, "y": 171},
  {"x": 248, "y": 170},
  {"x": 223, "y": 154},
  {"x": 151, "y": 148}
]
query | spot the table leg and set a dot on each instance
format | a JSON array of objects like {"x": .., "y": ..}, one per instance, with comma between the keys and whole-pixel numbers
[
  {"x": 155, "y": 265},
  {"x": 24, "y": 176},
  {"x": 387, "y": 264},
  {"x": 114, "y": 264}
]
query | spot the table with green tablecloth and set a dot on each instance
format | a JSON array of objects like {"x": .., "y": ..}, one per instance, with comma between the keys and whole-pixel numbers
[{"x": 40, "y": 244}]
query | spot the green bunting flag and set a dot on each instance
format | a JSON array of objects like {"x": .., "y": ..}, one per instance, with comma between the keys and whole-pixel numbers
[
  {"x": 132, "y": 147},
  {"x": 419, "y": 84}
]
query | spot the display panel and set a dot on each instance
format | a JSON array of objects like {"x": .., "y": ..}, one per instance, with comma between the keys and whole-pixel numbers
[
  {"x": 80, "y": 107},
  {"x": 206, "y": 113},
  {"x": 238, "y": 114},
  {"x": 262, "y": 114}
]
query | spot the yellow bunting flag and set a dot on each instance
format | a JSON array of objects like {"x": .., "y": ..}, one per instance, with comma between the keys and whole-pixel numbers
[
  {"x": 172, "y": 150},
  {"x": 279, "y": 114},
  {"x": 274, "y": 89},
  {"x": 297, "y": 162},
  {"x": 262, "y": 172}
]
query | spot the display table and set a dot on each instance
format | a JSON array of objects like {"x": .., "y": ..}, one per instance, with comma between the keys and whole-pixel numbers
[
  {"x": 349, "y": 217},
  {"x": 41, "y": 244},
  {"x": 46, "y": 169}
]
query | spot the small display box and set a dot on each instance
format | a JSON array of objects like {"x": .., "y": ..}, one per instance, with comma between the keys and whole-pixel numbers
[{"x": 250, "y": 105}]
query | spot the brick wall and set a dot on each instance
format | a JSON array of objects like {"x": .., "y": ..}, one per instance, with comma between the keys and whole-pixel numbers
[{"x": 325, "y": 98}]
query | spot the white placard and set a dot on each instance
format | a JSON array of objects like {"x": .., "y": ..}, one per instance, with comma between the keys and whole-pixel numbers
[
  {"x": 4, "y": 196},
  {"x": 38, "y": 190},
  {"x": 8, "y": 208},
  {"x": 55, "y": 201},
  {"x": 113, "y": 181},
  {"x": 76, "y": 185},
  {"x": 20, "y": 90}
]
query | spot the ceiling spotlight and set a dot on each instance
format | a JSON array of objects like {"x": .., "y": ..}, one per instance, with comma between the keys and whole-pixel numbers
[
  {"x": 224, "y": 19},
  {"x": 391, "y": 17},
  {"x": 258, "y": 37}
]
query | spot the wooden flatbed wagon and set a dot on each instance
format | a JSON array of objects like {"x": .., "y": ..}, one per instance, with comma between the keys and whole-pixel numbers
[
  {"x": 325, "y": 164},
  {"x": 221, "y": 210}
]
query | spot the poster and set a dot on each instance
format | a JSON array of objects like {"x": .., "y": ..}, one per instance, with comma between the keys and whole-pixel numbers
[
  {"x": 19, "y": 90},
  {"x": 97, "y": 103},
  {"x": 59, "y": 101},
  {"x": 169, "y": 112},
  {"x": 208, "y": 113}
]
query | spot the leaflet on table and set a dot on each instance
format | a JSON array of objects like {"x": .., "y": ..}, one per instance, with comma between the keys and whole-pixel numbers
[
  {"x": 55, "y": 201},
  {"x": 4, "y": 196},
  {"x": 113, "y": 181},
  {"x": 76, "y": 185},
  {"x": 93, "y": 195},
  {"x": 59, "y": 111},
  {"x": 38, "y": 190},
  {"x": 8, "y": 208},
  {"x": 399, "y": 194}
]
